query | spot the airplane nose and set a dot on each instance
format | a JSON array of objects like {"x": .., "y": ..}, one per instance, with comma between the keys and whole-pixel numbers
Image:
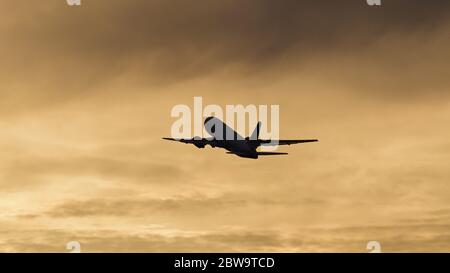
[{"x": 212, "y": 126}]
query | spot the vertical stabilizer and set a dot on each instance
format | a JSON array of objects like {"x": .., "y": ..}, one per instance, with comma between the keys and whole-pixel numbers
[{"x": 255, "y": 134}]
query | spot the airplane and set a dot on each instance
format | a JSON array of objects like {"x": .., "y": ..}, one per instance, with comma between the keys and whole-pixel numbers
[{"x": 235, "y": 144}]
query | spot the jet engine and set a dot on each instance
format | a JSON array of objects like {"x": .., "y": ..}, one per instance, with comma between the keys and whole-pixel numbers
[{"x": 199, "y": 145}]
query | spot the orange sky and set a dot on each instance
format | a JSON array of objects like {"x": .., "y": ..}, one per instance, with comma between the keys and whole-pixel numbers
[{"x": 87, "y": 93}]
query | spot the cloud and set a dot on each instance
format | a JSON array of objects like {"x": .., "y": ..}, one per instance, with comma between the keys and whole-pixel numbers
[
  {"x": 177, "y": 205},
  {"x": 35, "y": 170},
  {"x": 72, "y": 52},
  {"x": 140, "y": 208},
  {"x": 393, "y": 238},
  {"x": 98, "y": 241}
]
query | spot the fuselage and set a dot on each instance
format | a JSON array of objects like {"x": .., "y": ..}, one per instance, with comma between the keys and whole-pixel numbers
[{"x": 228, "y": 139}]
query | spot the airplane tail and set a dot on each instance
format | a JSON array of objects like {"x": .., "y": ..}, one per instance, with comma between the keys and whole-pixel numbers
[{"x": 255, "y": 134}]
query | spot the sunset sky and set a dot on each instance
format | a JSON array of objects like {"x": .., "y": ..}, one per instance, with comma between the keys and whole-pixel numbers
[{"x": 86, "y": 95}]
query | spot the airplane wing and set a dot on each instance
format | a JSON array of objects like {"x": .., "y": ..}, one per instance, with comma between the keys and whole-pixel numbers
[
  {"x": 268, "y": 142},
  {"x": 198, "y": 142}
]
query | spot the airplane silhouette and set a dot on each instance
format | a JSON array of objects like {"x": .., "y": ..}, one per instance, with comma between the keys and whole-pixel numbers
[{"x": 225, "y": 137}]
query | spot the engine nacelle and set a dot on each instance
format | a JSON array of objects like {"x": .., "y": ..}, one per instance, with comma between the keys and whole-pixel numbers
[{"x": 200, "y": 146}]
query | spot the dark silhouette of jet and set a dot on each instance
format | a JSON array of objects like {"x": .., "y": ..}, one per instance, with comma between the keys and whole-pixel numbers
[{"x": 225, "y": 137}]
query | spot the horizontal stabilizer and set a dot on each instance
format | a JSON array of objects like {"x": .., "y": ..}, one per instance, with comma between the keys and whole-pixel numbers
[
  {"x": 261, "y": 153},
  {"x": 271, "y": 153},
  {"x": 268, "y": 142}
]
